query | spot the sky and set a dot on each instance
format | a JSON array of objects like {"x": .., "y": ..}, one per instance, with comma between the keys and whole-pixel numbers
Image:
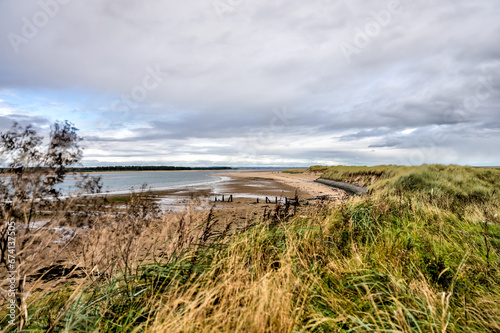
[{"x": 258, "y": 83}]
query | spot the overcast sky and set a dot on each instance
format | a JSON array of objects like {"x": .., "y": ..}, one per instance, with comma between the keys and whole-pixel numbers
[{"x": 254, "y": 82}]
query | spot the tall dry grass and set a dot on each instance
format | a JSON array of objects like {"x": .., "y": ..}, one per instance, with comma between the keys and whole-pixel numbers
[{"x": 421, "y": 253}]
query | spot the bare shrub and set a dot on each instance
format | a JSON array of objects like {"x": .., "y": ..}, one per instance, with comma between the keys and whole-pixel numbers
[{"x": 31, "y": 201}]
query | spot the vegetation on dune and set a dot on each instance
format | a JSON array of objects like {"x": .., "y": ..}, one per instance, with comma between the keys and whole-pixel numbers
[
  {"x": 362, "y": 175},
  {"x": 295, "y": 171},
  {"x": 420, "y": 253},
  {"x": 317, "y": 168},
  {"x": 423, "y": 178}
]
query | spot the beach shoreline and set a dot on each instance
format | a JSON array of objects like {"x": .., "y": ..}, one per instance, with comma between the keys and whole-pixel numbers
[
  {"x": 249, "y": 191},
  {"x": 144, "y": 171}
]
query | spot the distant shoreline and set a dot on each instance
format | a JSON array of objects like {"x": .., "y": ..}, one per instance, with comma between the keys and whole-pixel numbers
[
  {"x": 142, "y": 171},
  {"x": 145, "y": 168},
  {"x": 6, "y": 172},
  {"x": 69, "y": 173}
]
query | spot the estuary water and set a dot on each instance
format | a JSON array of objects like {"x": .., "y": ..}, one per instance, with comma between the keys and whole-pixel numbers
[{"x": 124, "y": 182}]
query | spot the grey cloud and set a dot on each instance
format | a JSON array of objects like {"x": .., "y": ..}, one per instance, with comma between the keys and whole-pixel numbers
[
  {"x": 388, "y": 143},
  {"x": 7, "y": 121},
  {"x": 366, "y": 134},
  {"x": 224, "y": 76}
]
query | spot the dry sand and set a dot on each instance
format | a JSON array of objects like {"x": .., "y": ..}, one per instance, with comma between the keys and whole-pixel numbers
[{"x": 304, "y": 182}]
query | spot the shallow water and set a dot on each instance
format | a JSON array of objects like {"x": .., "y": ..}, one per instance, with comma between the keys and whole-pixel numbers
[{"x": 124, "y": 182}]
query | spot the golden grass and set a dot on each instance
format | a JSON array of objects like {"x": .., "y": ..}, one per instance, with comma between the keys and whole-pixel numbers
[{"x": 419, "y": 254}]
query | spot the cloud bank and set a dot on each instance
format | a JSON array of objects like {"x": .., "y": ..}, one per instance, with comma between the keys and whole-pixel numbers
[{"x": 257, "y": 82}]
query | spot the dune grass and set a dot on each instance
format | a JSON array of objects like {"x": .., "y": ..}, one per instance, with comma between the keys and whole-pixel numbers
[
  {"x": 420, "y": 253},
  {"x": 295, "y": 171}
]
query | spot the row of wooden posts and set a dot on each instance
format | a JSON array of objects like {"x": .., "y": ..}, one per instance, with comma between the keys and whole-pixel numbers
[
  {"x": 230, "y": 199},
  {"x": 269, "y": 200}
]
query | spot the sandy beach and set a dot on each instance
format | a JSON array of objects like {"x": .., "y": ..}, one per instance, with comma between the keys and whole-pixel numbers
[
  {"x": 249, "y": 190},
  {"x": 255, "y": 185},
  {"x": 303, "y": 182}
]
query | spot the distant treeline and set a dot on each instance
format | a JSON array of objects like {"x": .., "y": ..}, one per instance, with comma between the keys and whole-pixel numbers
[
  {"x": 131, "y": 168},
  {"x": 144, "y": 168}
]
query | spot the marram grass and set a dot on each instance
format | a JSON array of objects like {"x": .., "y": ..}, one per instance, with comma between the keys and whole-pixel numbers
[{"x": 420, "y": 253}]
